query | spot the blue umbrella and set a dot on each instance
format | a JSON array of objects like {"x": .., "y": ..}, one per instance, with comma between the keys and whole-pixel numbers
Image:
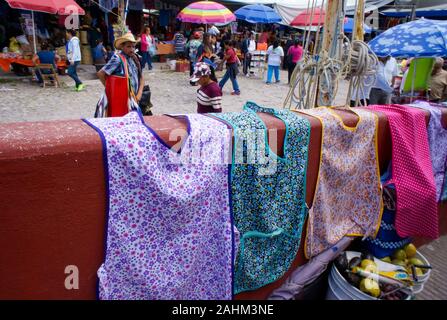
[
  {"x": 257, "y": 13},
  {"x": 349, "y": 26},
  {"x": 420, "y": 38}
]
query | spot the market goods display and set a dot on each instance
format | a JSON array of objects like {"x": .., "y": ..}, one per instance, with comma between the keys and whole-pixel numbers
[{"x": 398, "y": 277}]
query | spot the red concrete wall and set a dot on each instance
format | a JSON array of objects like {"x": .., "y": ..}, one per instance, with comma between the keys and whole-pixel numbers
[{"x": 52, "y": 207}]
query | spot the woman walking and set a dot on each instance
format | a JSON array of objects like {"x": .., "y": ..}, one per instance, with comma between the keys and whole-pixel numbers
[
  {"x": 147, "y": 48},
  {"x": 275, "y": 55},
  {"x": 294, "y": 55}
]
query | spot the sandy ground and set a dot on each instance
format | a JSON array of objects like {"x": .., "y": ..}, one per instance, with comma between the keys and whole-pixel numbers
[{"x": 21, "y": 100}]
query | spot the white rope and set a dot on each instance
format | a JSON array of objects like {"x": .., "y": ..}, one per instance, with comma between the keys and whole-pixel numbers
[
  {"x": 356, "y": 61},
  {"x": 363, "y": 68}
]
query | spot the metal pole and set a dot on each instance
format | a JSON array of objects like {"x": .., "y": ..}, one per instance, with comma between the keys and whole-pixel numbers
[
  {"x": 125, "y": 12},
  {"x": 34, "y": 33},
  {"x": 415, "y": 60},
  {"x": 358, "y": 21},
  {"x": 413, "y": 13}
]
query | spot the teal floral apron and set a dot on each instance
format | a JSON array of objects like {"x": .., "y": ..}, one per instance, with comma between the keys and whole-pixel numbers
[{"x": 268, "y": 195}]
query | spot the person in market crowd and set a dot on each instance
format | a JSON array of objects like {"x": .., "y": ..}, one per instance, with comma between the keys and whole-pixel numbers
[
  {"x": 213, "y": 30},
  {"x": 294, "y": 54},
  {"x": 126, "y": 45},
  {"x": 381, "y": 89},
  {"x": 45, "y": 56},
  {"x": 219, "y": 47},
  {"x": 272, "y": 37},
  {"x": 290, "y": 41},
  {"x": 109, "y": 53},
  {"x": 147, "y": 47},
  {"x": 247, "y": 48},
  {"x": 360, "y": 96},
  {"x": 209, "y": 95},
  {"x": 438, "y": 82},
  {"x": 391, "y": 70},
  {"x": 193, "y": 53},
  {"x": 179, "y": 44},
  {"x": 99, "y": 53},
  {"x": 264, "y": 36},
  {"x": 208, "y": 54},
  {"x": 226, "y": 35},
  {"x": 232, "y": 62},
  {"x": 201, "y": 31},
  {"x": 275, "y": 55},
  {"x": 74, "y": 58}
]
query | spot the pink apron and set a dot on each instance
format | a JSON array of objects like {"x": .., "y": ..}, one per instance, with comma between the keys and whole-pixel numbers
[{"x": 412, "y": 172}]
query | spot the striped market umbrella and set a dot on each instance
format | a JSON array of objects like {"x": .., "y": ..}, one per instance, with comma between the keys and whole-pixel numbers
[{"x": 206, "y": 12}]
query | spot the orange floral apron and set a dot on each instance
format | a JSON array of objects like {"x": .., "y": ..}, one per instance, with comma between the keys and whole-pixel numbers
[{"x": 348, "y": 196}]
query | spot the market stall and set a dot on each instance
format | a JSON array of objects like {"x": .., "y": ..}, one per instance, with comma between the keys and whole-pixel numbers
[
  {"x": 6, "y": 59},
  {"x": 30, "y": 265}
]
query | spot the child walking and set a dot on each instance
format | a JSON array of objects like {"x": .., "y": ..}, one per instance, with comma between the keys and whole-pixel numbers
[{"x": 232, "y": 68}]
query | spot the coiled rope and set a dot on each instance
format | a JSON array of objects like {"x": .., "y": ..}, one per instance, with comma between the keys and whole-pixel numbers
[{"x": 322, "y": 73}]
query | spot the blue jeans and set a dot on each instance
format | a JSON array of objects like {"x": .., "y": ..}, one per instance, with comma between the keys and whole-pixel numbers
[
  {"x": 233, "y": 81},
  {"x": 146, "y": 58},
  {"x": 39, "y": 76},
  {"x": 73, "y": 74},
  {"x": 270, "y": 71}
]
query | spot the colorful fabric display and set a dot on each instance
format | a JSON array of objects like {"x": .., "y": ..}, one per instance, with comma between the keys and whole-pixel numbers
[
  {"x": 169, "y": 232},
  {"x": 268, "y": 195},
  {"x": 437, "y": 139},
  {"x": 444, "y": 192},
  {"x": 387, "y": 240},
  {"x": 348, "y": 198},
  {"x": 412, "y": 172}
]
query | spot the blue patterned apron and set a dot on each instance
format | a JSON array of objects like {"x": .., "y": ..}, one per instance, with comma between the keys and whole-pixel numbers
[{"x": 268, "y": 195}]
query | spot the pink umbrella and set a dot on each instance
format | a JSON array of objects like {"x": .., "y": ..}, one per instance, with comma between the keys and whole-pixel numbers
[
  {"x": 305, "y": 18},
  {"x": 206, "y": 12},
  {"x": 62, "y": 7}
]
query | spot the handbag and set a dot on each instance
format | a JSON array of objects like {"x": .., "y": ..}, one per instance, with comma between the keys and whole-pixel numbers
[
  {"x": 145, "y": 103},
  {"x": 117, "y": 92},
  {"x": 152, "y": 48}
]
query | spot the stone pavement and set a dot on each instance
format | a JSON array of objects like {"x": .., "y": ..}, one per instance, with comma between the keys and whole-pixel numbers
[{"x": 436, "y": 286}]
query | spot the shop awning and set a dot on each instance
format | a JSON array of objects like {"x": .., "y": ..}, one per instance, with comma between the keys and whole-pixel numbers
[
  {"x": 62, "y": 7},
  {"x": 288, "y": 10},
  {"x": 428, "y": 12}
]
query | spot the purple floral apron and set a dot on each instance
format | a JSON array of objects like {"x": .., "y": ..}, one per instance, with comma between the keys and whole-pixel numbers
[
  {"x": 437, "y": 139},
  {"x": 169, "y": 233}
]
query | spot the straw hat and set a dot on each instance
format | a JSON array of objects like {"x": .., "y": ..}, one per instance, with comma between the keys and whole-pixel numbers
[{"x": 128, "y": 37}]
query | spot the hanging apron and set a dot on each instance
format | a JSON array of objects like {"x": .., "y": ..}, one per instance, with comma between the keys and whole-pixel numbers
[
  {"x": 169, "y": 230},
  {"x": 118, "y": 92},
  {"x": 268, "y": 195},
  {"x": 437, "y": 139},
  {"x": 348, "y": 199},
  {"x": 387, "y": 240},
  {"x": 444, "y": 192},
  {"x": 412, "y": 172}
]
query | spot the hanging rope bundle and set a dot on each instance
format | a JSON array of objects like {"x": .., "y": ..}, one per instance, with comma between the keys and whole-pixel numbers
[
  {"x": 305, "y": 74},
  {"x": 363, "y": 66},
  {"x": 320, "y": 74}
]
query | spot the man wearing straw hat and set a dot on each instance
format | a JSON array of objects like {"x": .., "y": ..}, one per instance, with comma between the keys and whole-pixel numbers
[{"x": 123, "y": 65}]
